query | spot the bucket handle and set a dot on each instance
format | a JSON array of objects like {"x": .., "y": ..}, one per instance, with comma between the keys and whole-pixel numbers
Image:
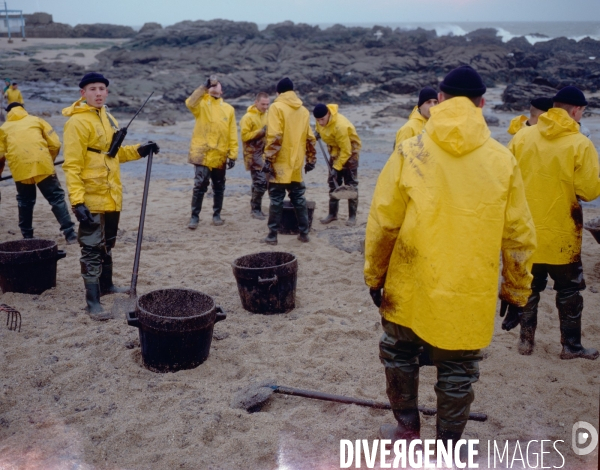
[
  {"x": 132, "y": 320},
  {"x": 60, "y": 254},
  {"x": 271, "y": 280},
  {"x": 221, "y": 315}
]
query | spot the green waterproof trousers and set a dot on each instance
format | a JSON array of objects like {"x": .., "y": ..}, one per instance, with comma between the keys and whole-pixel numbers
[{"x": 97, "y": 241}]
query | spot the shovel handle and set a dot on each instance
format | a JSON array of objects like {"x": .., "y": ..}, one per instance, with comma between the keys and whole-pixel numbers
[
  {"x": 8, "y": 177},
  {"x": 325, "y": 155}
]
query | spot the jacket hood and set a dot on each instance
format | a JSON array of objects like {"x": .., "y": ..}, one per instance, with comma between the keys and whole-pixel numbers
[
  {"x": 253, "y": 109},
  {"x": 17, "y": 113},
  {"x": 333, "y": 109},
  {"x": 415, "y": 114},
  {"x": 557, "y": 123},
  {"x": 290, "y": 98},
  {"x": 80, "y": 106},
  {"x": 457, "y": 126}
]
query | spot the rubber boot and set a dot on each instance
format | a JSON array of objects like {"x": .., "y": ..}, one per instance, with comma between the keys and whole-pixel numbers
[
  {"x": 270, "y": 239},
  {"x": 334, "y": 205},
  {"x": 26, "y": 221},
  {"x": 352, "y": 207},
  {"x": 529, "y": 325},
  {"x": 217, "y": 206},
  {"x": 569, "y": 314},
  {"x": 445, "y": 435},
  {"x": 302, "y": 216},
  {"x": 196, "y": 208},
  {"x": 106, "y": 283},
  {"x": 255, "y": 204},
  {"x": 408, "y": 427},
  {"x": 402, "y": 388},
  {"x": 92, "y": 299},
  {"x": 71, "y": 237}
]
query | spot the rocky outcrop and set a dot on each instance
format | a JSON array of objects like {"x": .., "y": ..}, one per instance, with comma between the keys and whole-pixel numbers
[{"x": 41, "y": 25}]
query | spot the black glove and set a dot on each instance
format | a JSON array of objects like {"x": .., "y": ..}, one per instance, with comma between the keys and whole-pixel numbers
[
  {"x": 513, "y": 319},
  {"x": 211, "y": 82},
  {"x": 376, "y": 296},
  {"x": 144, "y": 149},
  {"x": 309, "y": 167},
  {"x": 268, "y": 168},
  {"x": 230, "y": 163},
  {"x": 82, "y": 213},
  {"x": 317, "y": 135}
]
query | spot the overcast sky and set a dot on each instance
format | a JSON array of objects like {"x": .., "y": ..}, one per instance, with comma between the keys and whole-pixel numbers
[{"x": 166, "y": 12}]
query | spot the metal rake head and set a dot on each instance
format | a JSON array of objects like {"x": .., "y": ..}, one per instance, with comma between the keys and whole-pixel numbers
[{"x": 13, "y": 317}]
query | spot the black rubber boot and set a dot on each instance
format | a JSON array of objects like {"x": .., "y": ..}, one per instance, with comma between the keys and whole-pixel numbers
[
  {"x": 334, "y": 205},
  {"x": 408, "y": 427},
  {"x": 92, "y": 299},
  {"x": 569, "y": 313},
  {"x": 352, "y": 207},
  {"x": 106, "y": 283},
  {"x": 446, "y": 435},
  {"x": 217, "y": 206},
  {"x": 71, "y": 237},
  {"x": 529, "y": 325},
  {"x": 270, "y": 239},
  {"x": 256, "y": 205},
  {"x": 26, "y": 221},
  {"x": 402, "y": 388},
  {"x": 196, "y": 208}
]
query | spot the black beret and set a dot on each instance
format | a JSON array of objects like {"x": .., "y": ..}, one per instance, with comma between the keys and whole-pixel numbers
[
  {"x": 543, "y": 104},
  {"x": 285, "y": 84},
  {"x": 92, "y": 77},
  {"x": 463, "y": 81},
  {"x": 570, "y": 95},
  {"x": 427, "y": 94},
  {"x": 320, "y": 111},
  {"x": 14, "y": 104}
]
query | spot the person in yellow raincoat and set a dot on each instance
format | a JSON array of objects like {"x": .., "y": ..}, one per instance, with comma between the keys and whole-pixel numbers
[
  {"x": 253, "y": 130},
  {"x": 446, "y": 204},
  {"x": 428, "y": 98},
  {"x": 214, "y": 144},
  {"x": 560, "y": 167},
  {"x": 30, "y": 146},
  {"x": 538, "y": 107},
  {"x": 94, "y": 185},
  {"x": 13, "y": 94},
  {"x": 344, "y": 147},
  {"x": 290, "y": 143}
]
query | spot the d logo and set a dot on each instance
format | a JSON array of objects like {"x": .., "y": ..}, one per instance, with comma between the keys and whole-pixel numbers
[{"x": 584, "y": 434}]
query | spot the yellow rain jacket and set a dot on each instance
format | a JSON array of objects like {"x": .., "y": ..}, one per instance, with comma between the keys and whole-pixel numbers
[
  {"x": 445, "y": 205},
  {"x": 289, "y": 138},
  {"x": 13, "y": 96},
  {"x": 414, "y": 126},
  {"x": 93, "y": 178},
  {"x": 559, "y": 165},
  {"x": 341, "y": 138},
  {"x": 214, "y": 139},
  {"x": 252, "y": 130},
  {"x": 516, "y": 124},
  {"x": 30, "y": 146}
]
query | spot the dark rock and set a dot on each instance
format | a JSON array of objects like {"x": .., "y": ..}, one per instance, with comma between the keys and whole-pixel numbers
[
  {"x": 518, "y": 97},
  {"x": 101, "y": 30},
  {"x": 491, "y": 120},
  {"x": 150, "y": 27}
]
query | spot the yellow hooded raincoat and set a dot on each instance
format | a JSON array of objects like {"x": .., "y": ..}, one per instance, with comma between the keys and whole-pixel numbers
[
  {"x": 559, "y": 165},
  {"x": 341, "y": 138},
  {"x": 93, "y": 178},
  {"x": 252, "y": 130},
  {"x": 414, "y": 126},
  {"x": 14, "y": 96},
  {"x": 30, "y": 146},
  {"x": 289, "y": 138},
  {"x": 446, "y": 204},
  {"x": 214, "y": 139},
  {"x": 516, "y": 124}
]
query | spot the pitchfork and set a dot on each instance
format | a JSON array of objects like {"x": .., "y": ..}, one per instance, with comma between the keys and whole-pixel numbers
[{"x": 13, "y": 318}]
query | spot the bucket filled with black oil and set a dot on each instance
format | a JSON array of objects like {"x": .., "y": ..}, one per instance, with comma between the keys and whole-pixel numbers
[
  {"x": 267, "y": 281},
  {"x": 176, "y": 328},
  {"x": 29, "y": 266}
]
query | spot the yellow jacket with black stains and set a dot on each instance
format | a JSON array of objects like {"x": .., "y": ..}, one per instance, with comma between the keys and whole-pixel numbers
[
  {"x": 290, "y": 141},
  {"x": 13, "y": 96},
  {"x": 559, "y": 166},
  {"x": 214, "y": 139},
  {"x": 516, "y": 124},
  {"x": 252, "y": 131},
  {"x": 342, "y": 140},
  {"x": 414, "y": 126},
  {"x": 446, "y": 204},
  {"x": 93, "y": 178},
  {"x": 29, "y": 145}
]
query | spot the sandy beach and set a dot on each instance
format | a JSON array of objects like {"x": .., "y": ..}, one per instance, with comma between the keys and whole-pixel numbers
[{"x": 75, "y": 395}]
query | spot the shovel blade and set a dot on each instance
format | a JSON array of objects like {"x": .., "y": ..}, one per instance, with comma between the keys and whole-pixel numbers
[{"x": 345, "y": 192}]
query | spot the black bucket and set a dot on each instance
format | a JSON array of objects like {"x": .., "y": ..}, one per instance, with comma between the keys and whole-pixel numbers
[
  {"x": 29, "y": 266},
  {"x": 593, "y": 226},
  {"x": 267, "y": 281},
  {"x": 176, "y": 328},
  {"x": 289, "y": 221}
]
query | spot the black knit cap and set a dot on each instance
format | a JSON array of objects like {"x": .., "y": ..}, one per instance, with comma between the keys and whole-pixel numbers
[
  {"x": 320, "y": 111},
  {"x": 427, "y": 94},
  {"x": 543, "y": 104},
  {"x": 92, "y": 77},
  {"x": 570, "y": 95},
  {"x": 463, "y": 81},
  {"x": 285, "y": 84},
  {"x": 14, "y": 104}
]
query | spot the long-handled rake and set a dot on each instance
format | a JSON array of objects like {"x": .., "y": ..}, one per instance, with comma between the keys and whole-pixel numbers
[{"x": 13, "y": 317}]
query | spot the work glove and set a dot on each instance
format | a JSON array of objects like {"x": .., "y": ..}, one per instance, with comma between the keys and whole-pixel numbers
[
  {"x": 144, "y": 149},
  {"x": 230, "y": 163},
  {"x": 317, "y": 135},
  {"x": 309, "y": 167},
  {"x": 268, "y": 168},
  {"x": 376, "y": 296},
  {"x": 82, "y": 214},
  {"x": 513, "y": 318}
]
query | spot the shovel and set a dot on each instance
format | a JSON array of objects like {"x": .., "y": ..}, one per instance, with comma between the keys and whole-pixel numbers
[
  {"x": 340, "y": 192},
  {"x": 121, "y": 307},
  {"x": 256, "y": 395}
]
